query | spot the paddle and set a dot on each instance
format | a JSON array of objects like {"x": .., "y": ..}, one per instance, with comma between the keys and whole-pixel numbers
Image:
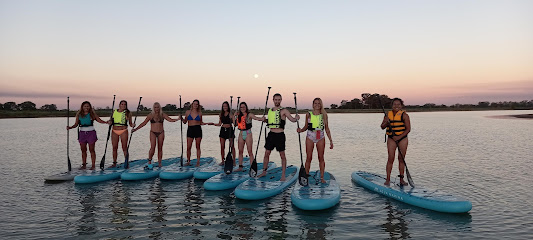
[
  {"x": 126, "y": 159},
  {"x": 102, "y": 163},
  {"x": 181, "y": 132},
  {"x": 302, "y": 175},
  {"x": 409, "y": 179},
  {"x": 253, "y": 166},
  {"x": 228, "y": 167},
  {"x": 68, "y": 135}
]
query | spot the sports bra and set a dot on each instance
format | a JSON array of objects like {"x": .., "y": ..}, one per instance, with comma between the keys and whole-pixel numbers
[{"x": 225, "y": 119}]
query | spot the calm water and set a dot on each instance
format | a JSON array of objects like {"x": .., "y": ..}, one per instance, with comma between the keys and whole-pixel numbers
[{"x": 486, "y": 160}]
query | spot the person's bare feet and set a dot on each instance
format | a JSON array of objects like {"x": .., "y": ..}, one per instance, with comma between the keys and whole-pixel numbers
[
  {"x": 114, "y": 165},
  {"x": 92, "y": 167},
  {"x": 188, "y": 163},
  {"x": 264, "y": 173},
  {"x": 387, "y": 182},
  {"x": 82, "y": 167},
  {"x": 403, "y": 183},
  {"x": 282, "y": 178},
  {"x": 238, "y": 169},
  {"x": 322, "y": 180}
]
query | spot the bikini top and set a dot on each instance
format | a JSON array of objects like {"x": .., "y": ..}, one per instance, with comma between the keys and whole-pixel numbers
[
  {"x": 159, "y": 121},
  {"x": 197, "y": 118}
]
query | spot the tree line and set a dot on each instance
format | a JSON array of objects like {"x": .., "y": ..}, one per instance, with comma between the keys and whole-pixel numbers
[
  {"x": 30, "y": 106},
  {"x": 372, "y": 101}
]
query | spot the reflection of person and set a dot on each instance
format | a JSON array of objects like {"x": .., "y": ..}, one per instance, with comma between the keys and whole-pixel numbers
[
  {"x": 87, "y": 135},
  {"x": 276, "y": 136},
  {"x": 226, "y": 131},
  {"x": 244, "y": 123},
  {"x": 316, "y": 122},
  {"x": 121, "y": 117},
  {"x": 194, "y": 130},
  {"x": 398, "y": 126},
  {"x": 157, "y": 133}
]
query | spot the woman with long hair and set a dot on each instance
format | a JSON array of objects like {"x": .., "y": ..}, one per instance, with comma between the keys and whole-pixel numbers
[
  {"x": 121, "y": 117},
  {"x": 194, "y": 130},
  {"x": 244, "y": 124},
  {"x": 87, "y": 134},
  {"x": 316, "y": 123},
  {"x": 226, "y": 131},
  {"x": 157, "y": 133}
]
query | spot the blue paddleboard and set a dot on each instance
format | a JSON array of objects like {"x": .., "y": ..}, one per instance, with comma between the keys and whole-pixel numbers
[
  {"x": 142, "y": 172},
  {"x": 212, "y": 170},
  {"x": 317, "y": 195},
  {"x": 176, "y": 172},
  {"x": 223, "y": 181},
  {"x": 94, "y": 176},
  {"x": 268, "y": 185},
  {"x": 418, "y": 196}
]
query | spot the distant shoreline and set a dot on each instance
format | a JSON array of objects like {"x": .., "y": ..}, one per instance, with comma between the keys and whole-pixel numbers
[{"x": 105, "y": 113}]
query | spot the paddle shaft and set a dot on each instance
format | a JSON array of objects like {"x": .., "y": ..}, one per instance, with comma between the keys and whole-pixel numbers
[
  {"x": 126, "y": 162},
  {"x": 233, "y": 133},
  {"x": 261, "y": 129},
  {"x": 68, "y": 135},
  {"x": 102, "y": 162},
  {"x": 398, "y": 146},
  {"x": 298, "y": 125},
  {"x": 181, "y": 132}
]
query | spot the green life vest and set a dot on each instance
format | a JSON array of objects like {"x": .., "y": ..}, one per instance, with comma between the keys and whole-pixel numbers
[
  {"x": 316, "y": 122},
  {"x": 119, "y": 118},
  {"x": 274, "y": 119}
]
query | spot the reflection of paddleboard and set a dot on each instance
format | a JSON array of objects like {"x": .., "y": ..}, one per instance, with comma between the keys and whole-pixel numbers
[
  {"x": 268, "y": 185},
  {"x": 142, "y": 172},
  {"x": 108, "y": 174},
  {"x": 223, "y": 181},
  {"x": 317, "y": 195},
  {"x": 176, "y": 172},
  {"x": 418, "y": 196},
  {"x": 212, "y": 170}
]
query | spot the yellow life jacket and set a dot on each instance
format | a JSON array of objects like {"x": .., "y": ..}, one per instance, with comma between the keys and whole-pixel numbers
[
  {"x": 274, "y": 119},
  {"x": 316, "y": 122},
  {"x": 119, "y": 118},
  {"x": 397, "y": 123}
]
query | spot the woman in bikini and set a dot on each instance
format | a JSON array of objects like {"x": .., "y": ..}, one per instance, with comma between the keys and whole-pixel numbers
[
  {"x": 226, "y": 131},
  {"x": 398, "y": 126},
  {"x": 194, "y": 130},
  {"x": 244, "y": 123},
  {"x": 87, "y": 135},
  {"x": 121, "y": 117},
  {"x": 316, "y": 123},
  {"x": 157, "y": 133}
]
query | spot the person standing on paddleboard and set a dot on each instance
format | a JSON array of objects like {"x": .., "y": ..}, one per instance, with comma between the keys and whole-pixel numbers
[
  {"x": 398, "y": 126},
  {"x": 226, "y": 131},
  {"x": 316, "y": 123},
  {"x": 276, "y": 136},
  {"x": 87, "y": 134},
  {"x": 157, "y": 133},
  {"x": 121, "y": 117},
  {"x": 194, "y": 130},
  {"x": 244, "y": 124}
]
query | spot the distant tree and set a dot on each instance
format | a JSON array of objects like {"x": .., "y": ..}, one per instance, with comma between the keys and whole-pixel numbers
[
  {"x": 483, "y": 104},
  {"x": 170, "y": 107},
  {"x": 11, "y": 106},
  {"x": 49, "y": 107},
  {"x": 365, "y": 99},
  {"x": 1, "y": 106},
  {"x": 187, "y": 105},
  {"x": 25, "y": 106},
  {"x": 334, "y": 106}
]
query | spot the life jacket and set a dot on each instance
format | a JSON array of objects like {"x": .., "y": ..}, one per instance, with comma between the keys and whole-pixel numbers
[
  {"x": 86, "y": 120},
  {"x": 397, "y": 123},
  {"x": 119, "y": 118},
  {"x": 243, "y": 123},
  {"x": 316, "y": 122},
  {"x": 274, "y": 119}
]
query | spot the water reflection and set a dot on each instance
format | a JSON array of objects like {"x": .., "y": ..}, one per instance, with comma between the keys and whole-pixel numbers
[
  {"x": 86, "y": 224},
  {"x": 276, "y": 214},
  {"x": 159, "y": 209},
  {"x": 395, "y": 225},
  {"x": 315, "y": 223},
  {"x": 193, "y": 207}
]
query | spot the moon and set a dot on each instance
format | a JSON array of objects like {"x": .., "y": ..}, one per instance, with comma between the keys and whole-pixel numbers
[{"x": 256, "y": 75}]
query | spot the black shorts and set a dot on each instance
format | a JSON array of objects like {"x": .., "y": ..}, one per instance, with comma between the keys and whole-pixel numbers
[
  {"x": 276, "y": 140},
  {"x": 194, "y": 131},
  {"x": 226, "y": 133}
]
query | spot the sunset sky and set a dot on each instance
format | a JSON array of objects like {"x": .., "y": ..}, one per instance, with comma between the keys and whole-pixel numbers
[{"x": 443, "y": 52}]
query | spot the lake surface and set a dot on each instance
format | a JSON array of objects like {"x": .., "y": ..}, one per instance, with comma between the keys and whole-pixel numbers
[{"x": 486, "y": 160}]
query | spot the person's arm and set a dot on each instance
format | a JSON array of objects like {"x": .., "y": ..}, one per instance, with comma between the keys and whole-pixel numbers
[
  {"x": 252, "y": 116},
  {"x": 98, "y": 119},
  {"x": 185, "y": 120},
  {"x": 307, "y": 116},
  {"x": 385, "y": 122},
  {"x": 326, "y": 127},
  {"x": 204, "y": 123},
  {"x": 165, "y": 116},
  {"x": 289, "y": 116},
  {"x": 407, "y": 128},
  {"x": 219, "y": 122},
  {"x": 148, "y": 118},
  {"x": 75, "y": 123},
  {"x": 130, "y": 116}
]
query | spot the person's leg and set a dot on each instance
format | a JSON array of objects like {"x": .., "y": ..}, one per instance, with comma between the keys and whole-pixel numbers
[
  {"x": 283, "y": 165},
  {"x": 152, "y": 147},
  {"x": 93, "y": 155},
  {"x": 198, "y": 151},
  {"x": 114, "y": 141},
  {"x": 189, "y": 147},
  {"x": 309, "y": 147},
  {"x": 222, "y": 150},
  {"x": 160, "y": 140},
  {"x": 265, "y": 162},
  {"x": 241, "y": 151},
  {"x": 391, "y": 149},
  {"x": 83, "y": 147},
  {"x": 320, "y": 147},
  {"x": 249, "y": 147},
  {"x": 401, "y": 158},
  {"x": 124, "y": 141}
]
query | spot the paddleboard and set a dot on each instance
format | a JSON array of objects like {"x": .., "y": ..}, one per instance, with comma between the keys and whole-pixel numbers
[
  {"x": 317, "y": 195},
  {"x": 268, "y": 185},
  {"x": 64, "y": 176},
  {"x": 142, "y": 172},
  {"x": 94, "y": 176},
  {"x": 418, "y": 196},
  {"x": 176, "y": 172},
  {"x": 223, "y": 181},
  {"x": 214, "y": 169}
]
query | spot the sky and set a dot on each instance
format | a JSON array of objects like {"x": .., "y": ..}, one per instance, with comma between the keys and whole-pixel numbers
[{"x": 442, "y": 52}]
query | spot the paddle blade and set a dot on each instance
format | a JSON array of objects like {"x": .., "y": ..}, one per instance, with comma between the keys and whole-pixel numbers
[
  {"x": 302, "y": 177},
  {"x": 228, "y": 165},
  {"x": 126, "y": 161},
  {"x": 69, "y": 165},
  {"x": 253, "y": 169},
  {"x": 409, "y": 179},
  {"x": 102, "y": 163}
]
